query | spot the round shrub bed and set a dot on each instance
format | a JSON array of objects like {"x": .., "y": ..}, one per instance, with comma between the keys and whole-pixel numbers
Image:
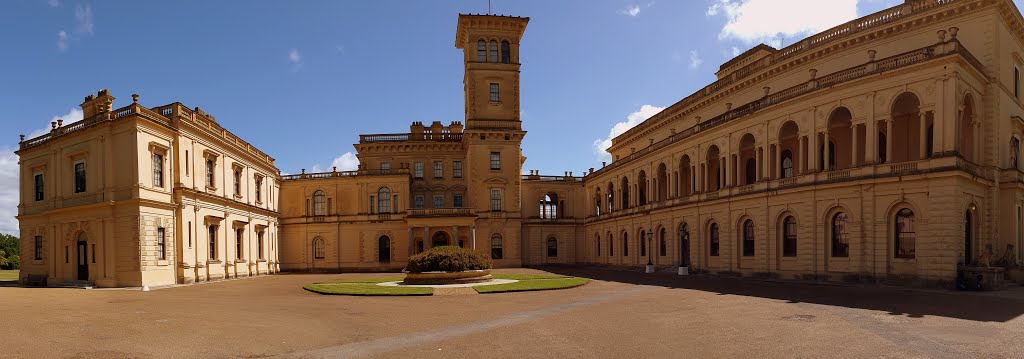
[{"x": 448, "y": 265}]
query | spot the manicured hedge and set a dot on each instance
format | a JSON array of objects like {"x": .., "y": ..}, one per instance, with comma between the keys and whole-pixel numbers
[{"x": 448, "y": 259}]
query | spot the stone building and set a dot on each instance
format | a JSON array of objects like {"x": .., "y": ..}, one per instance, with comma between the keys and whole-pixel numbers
[
  {"x": 885, "y": 148},
  {"x": 145, "y": 196}
]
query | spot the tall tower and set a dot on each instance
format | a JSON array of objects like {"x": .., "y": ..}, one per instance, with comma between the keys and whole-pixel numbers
[{"x": 493, "y": 133}]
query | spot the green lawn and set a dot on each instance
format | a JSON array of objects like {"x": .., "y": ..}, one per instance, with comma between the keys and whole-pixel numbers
[
  {"x": 533, "y": 284},
  {"x": 9, "y": 275},
  {"x": 365, "y": 289},
  {"x": 528, "y": 276}
]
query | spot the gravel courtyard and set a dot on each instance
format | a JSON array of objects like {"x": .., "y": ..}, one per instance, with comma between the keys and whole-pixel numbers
[{"x": 618, "y": 315}]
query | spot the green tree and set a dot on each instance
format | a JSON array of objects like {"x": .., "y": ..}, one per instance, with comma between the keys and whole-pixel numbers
[
  {"x": 10, "y": 249},
  {"x": 3, "y": 259}
]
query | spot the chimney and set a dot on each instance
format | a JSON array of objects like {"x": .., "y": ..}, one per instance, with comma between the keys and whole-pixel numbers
[{"x": 96, "y": 104}]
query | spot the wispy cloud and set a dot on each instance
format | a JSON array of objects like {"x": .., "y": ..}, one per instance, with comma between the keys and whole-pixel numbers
[
  {"x": 54, "y": 3},
  {"x": 346, "y": 162},
  {"x": 83, "y": 19},
  {"x": 62, "y": 41},
  {"x": 84, "y": 27},
  {"x": 9, "y": 191},
  {"x": 753, "y": 21},
  {"x": 695, "y": 60},
  {"x": 632, "y": 10},
  {"x": 295, "y": 58},
  {"x": 601, "y": 145}
]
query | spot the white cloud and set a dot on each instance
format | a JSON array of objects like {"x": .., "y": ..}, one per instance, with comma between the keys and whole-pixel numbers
[
  {"x": 753, "y": 21},
  {"x": 601, "y": 145},
  {"x": 736, "y": 51},
  {"x": 632, "y": 10},
  {"x": 295, "y": 58},
  {"x": 83, "y": 19},
  {"x": 62, "y": 41},
  {"x": 54, "y": 3},
  {"x": 346, "y": 162},
  {"x": 695, "y": 60},
  {"x": 340, "y": 48},
  {"x": 9, "y": 192}
]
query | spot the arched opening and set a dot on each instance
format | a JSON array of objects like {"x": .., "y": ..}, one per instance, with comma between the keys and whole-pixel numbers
[
  {"x": 968, "y": 238},
  {"x": 714, "y": 244},
  {"x": 440, "y": 238},
  {"x": 597, "y": 202},
  {"x": 840, "y": 236},
  {"x": 1014, "y": 153},
  {"x": 684, "y": 245},
  {"x": 318, "y": 248},
  {"x": 481, "y": 51},
  {"x": 748, "y": 238},
  {"x": 840, "y": 139},
  {"x": 905, "y": 236},
  {"x": 641, "y": 184},
  {"x": 496, "y": 246},
  {"x": 611, "y": 244},
  {"x": 597, "y": 242},
  {"x": 966, "y": 138},
  {"x": 384, "y": 249},
  {"x": 643, "y": 242},
  {"x": 506, "y": 52},
  {"x": 549, "y": 206},
  {"x": 789, "y": 145},
  {"x": 662, "y": 183},
  {"x": 685, "y": 176},
  {"x": 384, "y": 200},
  {"x": 83, "y": 256},
  {"x": 789, "y": 237},
  {"x": 748, "y": 159},
  {"x": 552, "y": 247},
  {"x": 625, "y": 192},
  {"x": 713, "y": 172},
  {"x": 907, "y": 124},
  {"x": 319, "y": 203},
  {"x": 611, "y": 197},
  {"x": 493, "y": 53},
  {"x": 662, "y": 243},
  {"x": 625, "y": 244}
]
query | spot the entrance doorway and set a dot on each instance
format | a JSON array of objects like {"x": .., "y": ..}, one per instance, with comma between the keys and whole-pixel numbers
[
  {"x": 83, "y": 263},
  {"x": 967, "y": 239},
  {"x": 440, "y": 239},
  {"x": 684, "y": 245}
]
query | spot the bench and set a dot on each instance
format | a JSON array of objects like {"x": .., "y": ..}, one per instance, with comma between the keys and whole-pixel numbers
[{"x": 38, "y": 280}]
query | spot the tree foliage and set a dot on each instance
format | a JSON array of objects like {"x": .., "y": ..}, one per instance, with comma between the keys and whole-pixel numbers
[{"x": 9, "y": 252}]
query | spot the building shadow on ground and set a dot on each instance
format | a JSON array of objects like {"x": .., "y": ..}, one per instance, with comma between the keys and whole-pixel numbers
[{"x": 897, "y": 301}]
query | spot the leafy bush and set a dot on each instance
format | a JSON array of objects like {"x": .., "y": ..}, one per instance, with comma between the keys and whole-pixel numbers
[{"x": 448, "y": 259}]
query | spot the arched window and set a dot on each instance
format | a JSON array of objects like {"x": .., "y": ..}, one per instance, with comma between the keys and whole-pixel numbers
[
  {"x": 662, "y": 245},
  {"x": 787, "y": 164},
  {"x": 751, "y": 175},
  {"x": 384, "y": 249},
  {"x": 684, "y": 245},
  {"x": 611, "y": 244},
  {"x": 384, "y": 200},
  {"x": 1014, "y": 151},
  {"x": 643, "y": 243},
  {"x": 549, "y": 207},
  {"x": 496, "y": 246},
  {"x": 598, "y": 242},
  {"x": 318, "y": 248},
  {"x": 714, "y": 244},
  {"x": 625, "y": 193},
  {"x": 493, "y": 57},
  {"x": 625, "y": 244},
  {"x": 840, "y": 236},
  {"x": 319, "y": 203},
  {"x": 789, "y": 237},
  {"x": 481, "y": 51},
  {"x": 905, "y": 236},
  {"x": 552, "y": 247},
  {"x": 506, "y": 52},
  {"x": 748, "y": 238},
  {"x": 611, "y": 196}
]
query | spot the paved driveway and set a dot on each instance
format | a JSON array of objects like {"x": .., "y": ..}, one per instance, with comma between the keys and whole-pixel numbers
[{"x": 619, "y": 315}]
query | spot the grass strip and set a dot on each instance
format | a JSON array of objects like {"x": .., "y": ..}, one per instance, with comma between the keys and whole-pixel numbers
[
  {"x": 532, "y": 284},
  {"x": 528, "y": 276},
  {"x": 367, "y": 289},
  {"x": 9, "y": 275},
  {"x": 364, "y": 280}
]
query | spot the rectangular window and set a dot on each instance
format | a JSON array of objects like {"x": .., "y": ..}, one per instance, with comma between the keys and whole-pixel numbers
[
  {"x": 80, "y": 177},
  {"x": 39, "y": 248},
  {"x": 417, "y": 169},
  {"x": 190, "y": 234},
  {"x": 457, "y": 169},
  {"x": 238, "y": 243},
  {"x": 438, "y": 169},
  {"x": 39, "y": 187},
  {"x": 158, "y": 170},
  {"x": 213, "y": 242},
  {"x": 259, "y": 189},
  {"x": 385, "y": 166},
  {"x": 438, "y": 201},
  {"x": 238, "y": 183},
  {"x": 259, "y": 244},
  {"x": 187, "y": 163},
  {"x": 161, "y": 244},
  {"x": 418, "y": 202},
  {"x": 495, "y": 200},
  {"x": 209, "y": 173},
  {"x": 495, "y": 160},
  {"x": 1016, "y": 82},
  {"x": 494, "y": 93},
  {"x": 457, "y": 201}
]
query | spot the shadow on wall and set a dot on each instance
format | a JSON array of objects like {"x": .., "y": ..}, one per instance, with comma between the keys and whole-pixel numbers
[{"x": 896, "y": 301}]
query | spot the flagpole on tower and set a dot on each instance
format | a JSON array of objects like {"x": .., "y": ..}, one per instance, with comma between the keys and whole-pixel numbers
[{"x": 488, "y": 7}]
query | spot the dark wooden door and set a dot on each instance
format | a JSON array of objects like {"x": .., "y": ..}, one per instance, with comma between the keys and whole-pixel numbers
[{"x": 83, "y": 263}]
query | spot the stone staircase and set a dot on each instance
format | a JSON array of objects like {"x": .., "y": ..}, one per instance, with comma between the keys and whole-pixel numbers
[{"x": 81, "y": 284}]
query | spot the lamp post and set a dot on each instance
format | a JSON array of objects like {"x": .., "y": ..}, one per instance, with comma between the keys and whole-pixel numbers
[{"x": 650, "y": 264}]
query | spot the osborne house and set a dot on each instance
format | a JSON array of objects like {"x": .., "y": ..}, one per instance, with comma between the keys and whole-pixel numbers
[{"x": 885, "y": 149}]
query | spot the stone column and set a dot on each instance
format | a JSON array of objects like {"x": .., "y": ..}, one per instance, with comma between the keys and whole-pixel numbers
[
  {"x": 853, "y": 145},
  {"x": 922, "y": 133},
  {"x": 411, "y": 243},
  {"x": 871, "y": 141},
  {"x": 472, "y": 233},
  {"x": 777, "y": 166},
  {"x": 427, "y": 241},
  {"x": 889, "y": 155},
  {"x": 828, "y": 153},
  {"x": 723, "y": 178},
  {"x": 976, "y": 157},
  {"x": 455, "y": 233},
  {"x": 802, "y": 152}
]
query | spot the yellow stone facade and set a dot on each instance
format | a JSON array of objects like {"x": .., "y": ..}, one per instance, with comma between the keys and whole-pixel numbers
[{"x": 884, "y": 149}]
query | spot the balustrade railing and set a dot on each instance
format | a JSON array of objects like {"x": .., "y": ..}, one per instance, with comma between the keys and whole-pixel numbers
[
  {"x": 365, "y": 172},
  {"x": 399, "y": 137},
  {"x": 440, "y": 212}
]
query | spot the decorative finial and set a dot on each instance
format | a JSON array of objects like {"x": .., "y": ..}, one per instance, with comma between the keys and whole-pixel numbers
[
  {"x": 871, "y": 55},
  {"x": 60, "y": 123},
  {"x": 766, "y": 90},
  {"x": 942, "y": 35},
  {"x": 303, "y": 171},
  {"x": 135, "y": 98},
  {"x": 728, "y": 106},
  {"x": 813, "y": 72},
  {"x": 22, "y": 138},
  {"x": 952, "y": 32},
  {"x": 334, "y": 168},
  {"x": 53, "y": 125}
]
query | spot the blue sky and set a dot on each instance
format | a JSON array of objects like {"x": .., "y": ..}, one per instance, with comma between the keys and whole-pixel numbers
[{"x": 302, "y": 79}]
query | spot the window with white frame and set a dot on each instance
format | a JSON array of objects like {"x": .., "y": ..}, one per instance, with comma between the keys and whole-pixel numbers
[
  {"x": 438, "y": 169},
  {"x": 438, "y": 201},
  {"x": 79, "y": 177},
  {"x": 457, "y": 169},
  {"x": 417, "y": 169},
  {"x": 495, "y": 160},
  {"x": 39, "y": 184},
  {"x": 158, "y": 170},
  {"x": 495, "y": 200},
  {"x": 161, "y": 244},
  {"x": 494, "y": 93}
]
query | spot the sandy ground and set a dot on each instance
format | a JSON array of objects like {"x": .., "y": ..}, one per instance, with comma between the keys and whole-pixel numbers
[{"x": 619, "y": 315}]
